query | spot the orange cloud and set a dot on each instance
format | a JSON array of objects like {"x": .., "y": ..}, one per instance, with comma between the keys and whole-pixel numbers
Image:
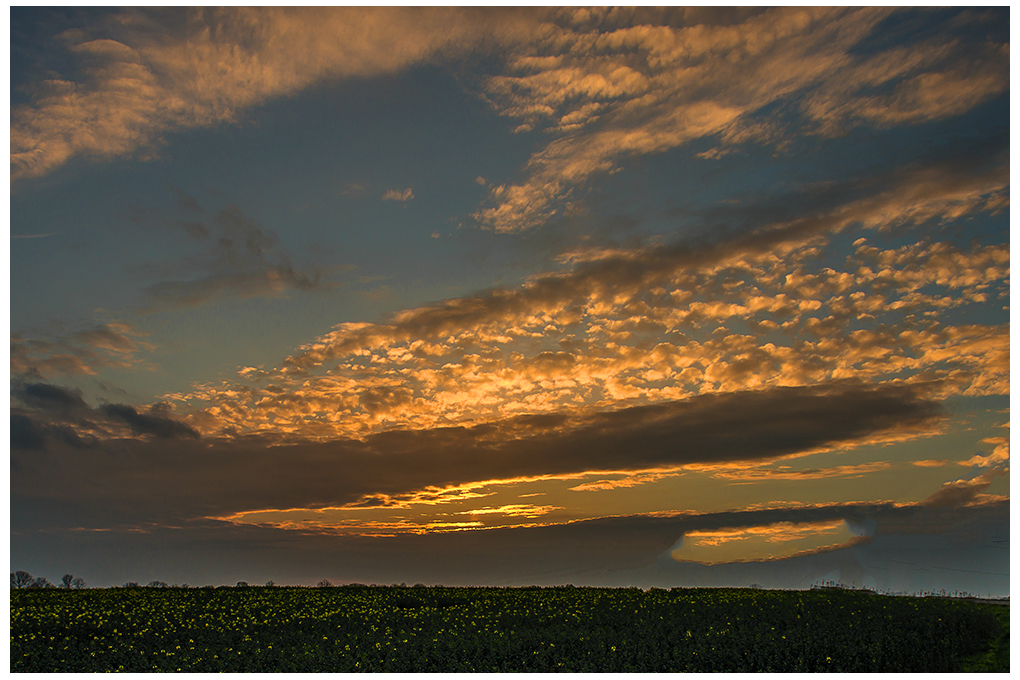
[
  {"x": 401, "y": 196},
  {"x": 765, "y": 542},
  {"x": 513, "y": 510},
  {"x": 998, "y": 457},
  {"x": 464, "y": 362},
  {"x": 629, "y": 480},
  {"x": 764, "y": 474}
]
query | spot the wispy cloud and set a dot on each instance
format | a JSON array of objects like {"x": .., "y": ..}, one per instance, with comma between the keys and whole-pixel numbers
[
  {"x": 609, "y": 89},
  {"x": 396, "y": 195},
  {"x": 145, "y": 73},
  {"x": 786, "y": 474},
  {"x": 244, "y": 260},
  {"x": 82, "y": 352}
]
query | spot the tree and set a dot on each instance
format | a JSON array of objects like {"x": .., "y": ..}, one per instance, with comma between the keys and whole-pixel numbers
[
  {"x": 66, "y": 580},
  {"x": 78, "y": 583},
  {"x": 158, "y": 584},
  {"x": 41, "y": 582},
  {"x": 21, "y": 579},
  {"x": 324, "y": 583}
]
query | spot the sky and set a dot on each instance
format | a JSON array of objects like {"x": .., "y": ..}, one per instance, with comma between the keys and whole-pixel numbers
[{"x": 653, "y": 297}]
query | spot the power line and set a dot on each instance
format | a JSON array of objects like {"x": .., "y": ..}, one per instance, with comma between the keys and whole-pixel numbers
[
  {"x": 971, "y": 571},
  {"x": 968, "y": 571}
]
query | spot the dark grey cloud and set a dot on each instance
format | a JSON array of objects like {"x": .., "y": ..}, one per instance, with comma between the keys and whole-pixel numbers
[
  {"x": 61, "y": 415},
  {"x": 31, "y": 435},
  {"x": 51, "y": 397},
  {"x": 149, "y": 423},
  {"x": 171, "y": 479},
  {"x": 25, "y": 433}
]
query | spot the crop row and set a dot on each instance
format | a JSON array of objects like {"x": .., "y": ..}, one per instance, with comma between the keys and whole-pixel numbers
[{"x": 346, "y": 629}]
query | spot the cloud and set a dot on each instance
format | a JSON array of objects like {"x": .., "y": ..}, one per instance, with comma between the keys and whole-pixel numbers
[
  {"x": 149, "y": 423},
  {"x": 51, "y": 397},
  {"x": 963, "y": 491},
  {"x": 30, "y": 435},
  {"x": 244, "y": 260},
  {"x": 354, "y": 189},
  {"x": 186, "y": 202},
  {"x": 998, "y": 457},
  {"x": 25, "y": 434},
  {"x": 610, "y": 89},
  {"x": 143, "y": 73},
  {"x": 910, "y": 194},
  {"x": 395, "y": 195},
  {"x": 777, "y": 302},
  {"x": 765, "y": 543},
  {"x": 82, "y": 352},
  {"x": 627, "y": 481},
  {"x": 62, "y": 415},
  {"x": 772, "y": 474},
  {"x": 603, "y": 551},
  {"x": 167, "y": 480}
]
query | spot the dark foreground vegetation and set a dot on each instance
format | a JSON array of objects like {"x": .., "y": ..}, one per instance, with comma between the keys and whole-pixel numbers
[{"x": 349, "y": 628}]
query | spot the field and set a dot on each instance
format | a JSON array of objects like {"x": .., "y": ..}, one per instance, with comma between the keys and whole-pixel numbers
[{"x": 394, "y": 629}]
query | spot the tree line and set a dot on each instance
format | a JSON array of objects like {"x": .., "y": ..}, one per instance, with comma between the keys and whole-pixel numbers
[{"x": 22, "y": 579}]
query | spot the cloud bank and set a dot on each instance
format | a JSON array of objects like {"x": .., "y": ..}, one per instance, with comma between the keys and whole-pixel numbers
[{"x": 175, "y": 471}]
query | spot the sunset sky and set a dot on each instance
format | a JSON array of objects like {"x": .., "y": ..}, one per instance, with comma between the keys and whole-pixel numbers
[{"x": 643, "y": 297}]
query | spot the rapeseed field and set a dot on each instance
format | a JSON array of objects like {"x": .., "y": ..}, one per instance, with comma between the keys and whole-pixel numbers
[{"x": 439, "y": 629}]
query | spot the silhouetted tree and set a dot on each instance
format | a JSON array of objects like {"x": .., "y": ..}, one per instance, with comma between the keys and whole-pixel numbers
[
  {"x": 41, "y": 582},
  {"x": 324, "y": 583},
  {"x": 241, "y": 584},
  {"x": 158, "y": 584},
  {"x": 65, "y": 580},
  {"x": 21, "y": 579},
  {"x": 78, "y": 583}
]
